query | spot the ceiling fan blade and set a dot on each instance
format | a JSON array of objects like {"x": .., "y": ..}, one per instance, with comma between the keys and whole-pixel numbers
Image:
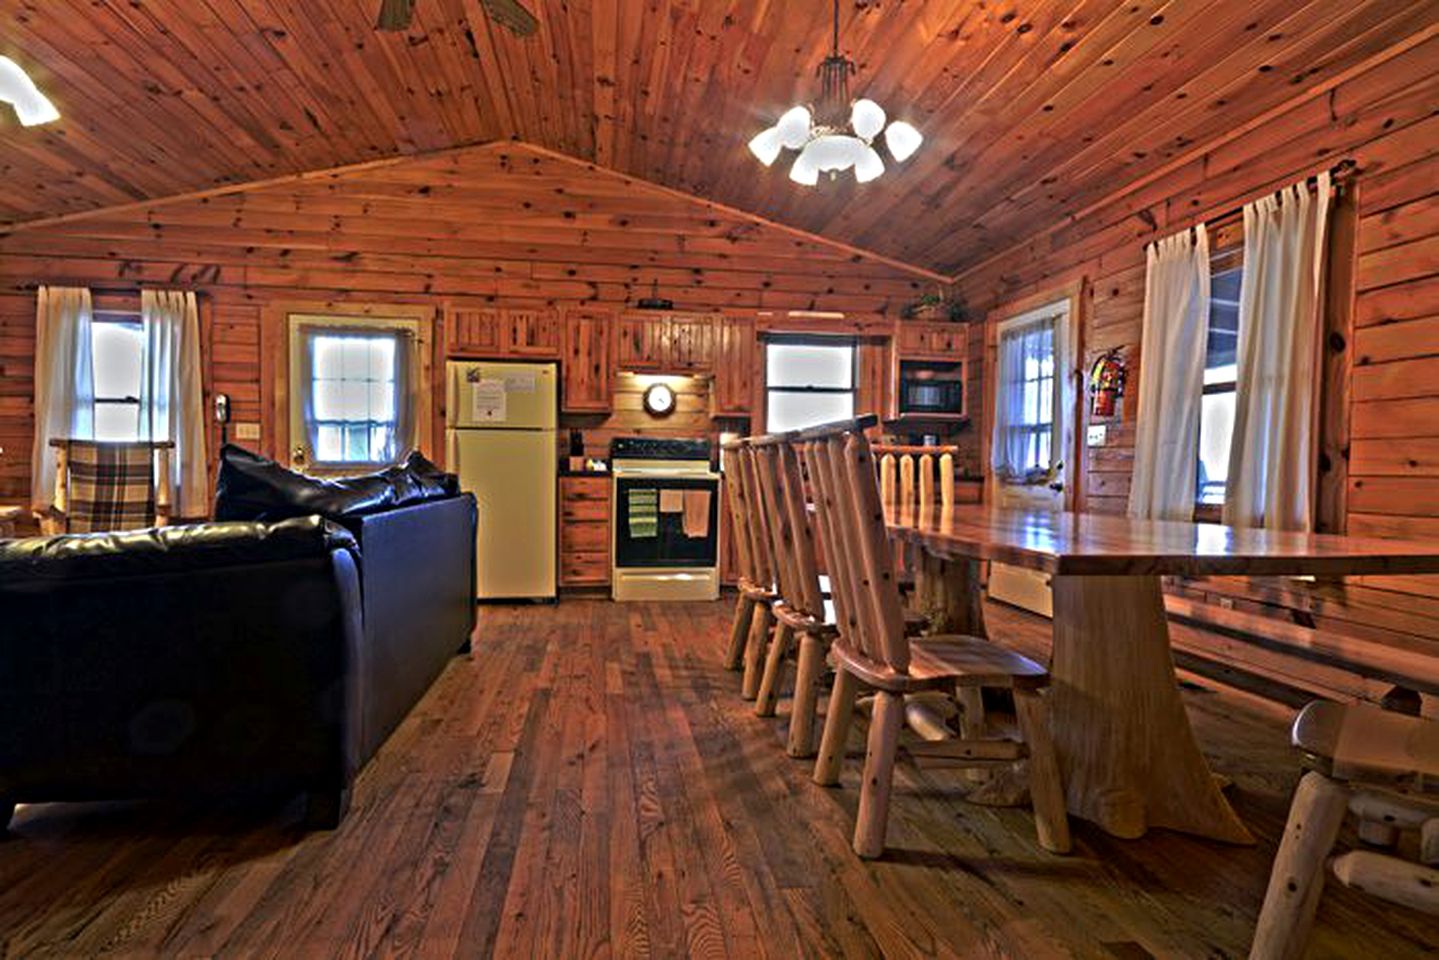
[
  {"x": 395, "y": 15},
  {"x": 512, "y": 16}
]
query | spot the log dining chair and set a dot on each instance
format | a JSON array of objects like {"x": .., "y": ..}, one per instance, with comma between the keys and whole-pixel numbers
[
  {"x": 874, "y": 651},
  {"x": 101, "y": 486},
  {"x": 804, "y": 610},
  {"x": 754, "y": 610},
  {"x": 801, "y": 610},
  {"x": 1369, "y": 762}
]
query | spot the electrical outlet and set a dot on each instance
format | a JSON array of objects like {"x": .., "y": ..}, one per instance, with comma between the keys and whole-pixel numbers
[
  {"x": 247, "y": 431},
  {"x": 1097, "y": 435}
]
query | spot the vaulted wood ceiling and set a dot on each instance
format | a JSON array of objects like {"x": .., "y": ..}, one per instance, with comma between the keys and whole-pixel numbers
[{"x": 1032, "y": 110}]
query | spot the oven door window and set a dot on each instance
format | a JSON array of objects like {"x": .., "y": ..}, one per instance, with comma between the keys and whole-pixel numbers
[{"x": 649, "y": 522}]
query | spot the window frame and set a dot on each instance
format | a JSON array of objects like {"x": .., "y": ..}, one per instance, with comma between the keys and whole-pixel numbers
[
  {"x": 1227, "y": 256},
  {"x": 1060, "y": 311},
  {"x": 302, "y": 329},
  {"x": 125, "y": 319},
  {"x": 813, "y": 340}
]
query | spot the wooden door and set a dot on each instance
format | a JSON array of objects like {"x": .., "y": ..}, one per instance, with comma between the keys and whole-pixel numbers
[
  {"x": 586, "y": 361},
  {"x": 532, "y": 334},
  {"x": 643, "y": 345},
  {"x": 735, "y": 348},
  {"x": 473, "y": 332}
]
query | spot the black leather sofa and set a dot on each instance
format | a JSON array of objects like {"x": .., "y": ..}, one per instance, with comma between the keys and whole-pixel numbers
[{"x": 266, "y": 655}]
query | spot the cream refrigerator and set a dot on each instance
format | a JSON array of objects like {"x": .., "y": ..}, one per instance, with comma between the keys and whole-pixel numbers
[{"x": 500, "y": 439}]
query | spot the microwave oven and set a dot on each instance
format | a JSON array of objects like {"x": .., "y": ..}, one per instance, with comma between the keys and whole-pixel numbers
[{"x": 931, "y": 391}]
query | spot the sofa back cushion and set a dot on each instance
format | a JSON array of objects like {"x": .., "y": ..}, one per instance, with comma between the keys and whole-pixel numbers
[{"x": 252, "y": 487}]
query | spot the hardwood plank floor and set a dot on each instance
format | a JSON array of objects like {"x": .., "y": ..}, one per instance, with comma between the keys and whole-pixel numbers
[{"x": 588, "y": 784}]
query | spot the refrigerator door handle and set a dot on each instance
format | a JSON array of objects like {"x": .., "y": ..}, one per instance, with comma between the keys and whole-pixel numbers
[{"x": 452, "y": 451}]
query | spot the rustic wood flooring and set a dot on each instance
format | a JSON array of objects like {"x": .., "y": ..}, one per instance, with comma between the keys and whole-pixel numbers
[{"x": 587, "y": 783}]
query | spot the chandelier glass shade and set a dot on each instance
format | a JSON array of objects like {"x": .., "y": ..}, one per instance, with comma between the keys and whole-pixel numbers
[{"x": 838, "y": 134}]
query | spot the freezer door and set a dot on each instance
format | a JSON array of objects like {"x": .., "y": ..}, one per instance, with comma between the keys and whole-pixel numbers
[
  {"x": 502, "y": 396},
  {"x": 512, "y": 474}
]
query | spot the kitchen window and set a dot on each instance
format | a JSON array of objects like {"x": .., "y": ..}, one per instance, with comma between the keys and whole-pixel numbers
[
  {"x": 1216, "y": 412},
  {"x": 118, "y": 356},
  {"x": 351, "y": 408},
  {"x": 808, "y": 381}
]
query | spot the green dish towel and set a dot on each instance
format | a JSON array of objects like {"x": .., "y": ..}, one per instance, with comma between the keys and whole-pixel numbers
[{"x": 644, "y": 513}]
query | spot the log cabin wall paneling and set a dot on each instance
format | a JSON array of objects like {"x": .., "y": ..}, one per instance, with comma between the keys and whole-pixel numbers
[
  {"x": 1385, "y": 119},
  {"x": 503, "y": 224}
]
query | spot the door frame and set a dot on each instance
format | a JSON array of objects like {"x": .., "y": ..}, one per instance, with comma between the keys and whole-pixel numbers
[{"x": 1068, "y": 412}]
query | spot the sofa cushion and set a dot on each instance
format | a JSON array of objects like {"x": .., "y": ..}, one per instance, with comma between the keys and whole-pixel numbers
[
  {"x": 80, "y": 556},
  {"x": 252, "y": 487}
]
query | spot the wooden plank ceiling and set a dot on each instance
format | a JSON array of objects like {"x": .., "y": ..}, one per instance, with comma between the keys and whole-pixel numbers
[{"x": 1032, "y": 110}]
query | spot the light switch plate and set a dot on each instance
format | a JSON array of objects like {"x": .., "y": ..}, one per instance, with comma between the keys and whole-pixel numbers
[
  {"x": 1098, "y": 434},
  {"x": 251, "y": 431}
]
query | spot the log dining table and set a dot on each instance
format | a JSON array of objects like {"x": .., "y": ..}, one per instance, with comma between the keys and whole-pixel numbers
[{"x": 1129, "y": 758}]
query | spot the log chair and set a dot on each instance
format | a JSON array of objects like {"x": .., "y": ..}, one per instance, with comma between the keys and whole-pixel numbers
[
  {"x": 1360, "y": 759},
  {"x": 873, "y": 650}
]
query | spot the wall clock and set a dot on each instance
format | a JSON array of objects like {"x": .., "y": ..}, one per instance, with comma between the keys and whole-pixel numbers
[{"x": 659, "y": 400}]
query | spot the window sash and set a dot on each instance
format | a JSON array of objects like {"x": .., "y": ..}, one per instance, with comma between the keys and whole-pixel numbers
[{"x": 316, "y": 426}]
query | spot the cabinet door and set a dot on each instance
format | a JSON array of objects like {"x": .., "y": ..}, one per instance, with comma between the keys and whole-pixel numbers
[
  {"x": 586, "y": 361},
  {"x": 691, "y": 344},
  {"x": 642, "y": 342},
  {"x": 877, "y": 370},
  {"x": 734, "y": 367},
  {"x": 475, "y": 332},
  {"x": 533, "y": 333}
]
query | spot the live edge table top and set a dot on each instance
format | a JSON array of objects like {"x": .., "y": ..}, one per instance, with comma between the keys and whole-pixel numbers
[{"x": 1086, "y": 544}]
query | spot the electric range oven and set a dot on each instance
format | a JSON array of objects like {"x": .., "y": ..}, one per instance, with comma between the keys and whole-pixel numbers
[{"x": 665, "y": 520}]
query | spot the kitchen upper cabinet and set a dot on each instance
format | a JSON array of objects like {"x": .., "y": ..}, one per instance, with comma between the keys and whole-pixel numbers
[
  {"x": 533, "y": 333},
  {"x": 735, "y": 352},
  {"x": 691, "y": 343},
  {"x": 919, "y": 340},
  {"x": 876, "y": 390},
  {"x": 502, "y": 332},
  {"x": 643, "y": 342},
  {"x": 666, "y": 342},
  {"x": 475, "y": 332},
  {"x": 586, "y": 361}
]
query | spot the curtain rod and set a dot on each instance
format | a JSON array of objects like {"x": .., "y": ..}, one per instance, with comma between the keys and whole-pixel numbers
[{"x": 1340, "y": 173}]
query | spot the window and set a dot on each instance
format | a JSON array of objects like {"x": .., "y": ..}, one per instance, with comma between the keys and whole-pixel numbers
[
  {"x": 118, "y": 349},
  {"x": 1026, "y": 431},
  {"x": 353, "y": 411},
  {"x": 808, "y": 382},
  {"x": 1216, "y": 412}
]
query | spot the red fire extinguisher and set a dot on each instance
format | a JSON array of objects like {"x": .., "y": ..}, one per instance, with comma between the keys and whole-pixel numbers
[{"x": 1106, "y": 383}]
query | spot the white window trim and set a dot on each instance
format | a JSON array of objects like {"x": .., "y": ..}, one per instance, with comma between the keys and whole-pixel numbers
[
  {"x": 301, "y": 323},
  {"x": 1059, "y": 311}
]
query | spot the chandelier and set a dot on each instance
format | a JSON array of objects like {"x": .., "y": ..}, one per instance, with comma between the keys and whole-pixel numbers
[{"x": 838, "y": 134}]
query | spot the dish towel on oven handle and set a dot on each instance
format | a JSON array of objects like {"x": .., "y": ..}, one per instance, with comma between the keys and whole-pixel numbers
[
  {"x": 696, "y": 521},
  {"x": 644, "y": 514}
]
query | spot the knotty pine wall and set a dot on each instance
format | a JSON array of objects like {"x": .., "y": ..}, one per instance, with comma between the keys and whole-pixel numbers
[
  {"x": 1385, "y": 119},
  {"x": 507, "y": 224}
]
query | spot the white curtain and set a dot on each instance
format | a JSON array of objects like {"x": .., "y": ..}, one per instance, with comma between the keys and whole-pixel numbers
[
  {"x": 64, "y": 382},
  {"x": 1272, "y": 457},
  {"x": 172, "y": 400},
  {"x": 1171, "y": 377},
  {"x": 1024, "y": 411}
]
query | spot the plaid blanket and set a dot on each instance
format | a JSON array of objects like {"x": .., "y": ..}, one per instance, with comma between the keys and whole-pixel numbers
[{"x": 112, "y": 487}]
